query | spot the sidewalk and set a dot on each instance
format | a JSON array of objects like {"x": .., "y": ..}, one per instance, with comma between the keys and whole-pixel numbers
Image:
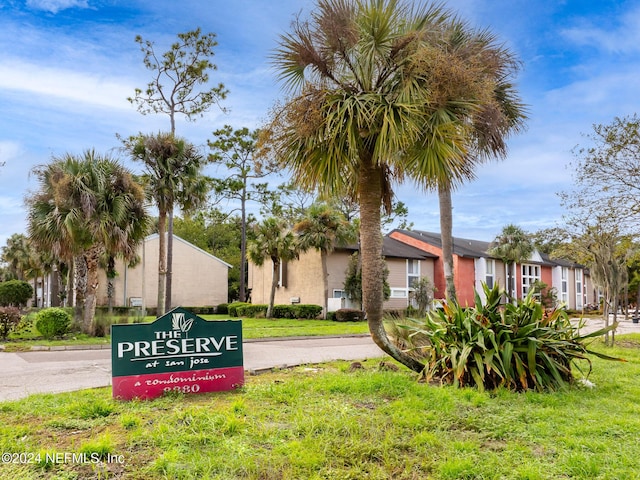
[{"x": 55, "y": 371}]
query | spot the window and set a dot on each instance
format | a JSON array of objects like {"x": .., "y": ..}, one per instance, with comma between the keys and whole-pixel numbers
[
  {"x": 489, "y": 277},
  {"x": 579, "y": 304},
  {"x": 530, "y": 275},
  {"x": 339, "y": 294},
  {"x": 413, "y": 272},
  {"x": 282, "y": 274},
  {"x": 399, "y": 293},
  {"x": 564, "y": 287}
]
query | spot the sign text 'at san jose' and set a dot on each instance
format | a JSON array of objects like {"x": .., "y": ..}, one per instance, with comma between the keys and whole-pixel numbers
[{"x": 177, "y": 352}]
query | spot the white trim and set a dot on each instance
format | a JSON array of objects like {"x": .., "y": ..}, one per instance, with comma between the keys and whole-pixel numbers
[{"x": 399, "y": 293}]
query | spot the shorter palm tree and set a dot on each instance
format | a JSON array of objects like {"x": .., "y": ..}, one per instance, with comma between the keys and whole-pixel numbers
[
  {"x": 87, "y": 207},
  {"x": 324, "y": 228},
  {"x": 513, "y": 245},
  {"x": 173, "y": 177},
  {"x": 274, "y": 240}
]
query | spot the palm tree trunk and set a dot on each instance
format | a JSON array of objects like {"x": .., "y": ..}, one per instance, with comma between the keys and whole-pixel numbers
[
  {"x": 162, "y": 266},
  {"x": 93, "y": 267},
  {"x": 80, "y": 281},
  {"x": 274, "y": 283},
  {"x": 605, "y": 314},
  {"x": 370, "y": 195},
  {"x": 446, "y": 233},
  {"x": 168, "y": 278},
  {"x": 55, "y": 285},
  {"x": 325, "y": 283}
]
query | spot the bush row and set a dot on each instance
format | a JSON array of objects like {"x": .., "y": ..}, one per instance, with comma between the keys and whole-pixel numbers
[{"x": 304, "y": 311}]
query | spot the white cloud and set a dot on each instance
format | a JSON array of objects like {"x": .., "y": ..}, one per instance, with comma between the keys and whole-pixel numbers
[
  {"x": 54, "y": 6},
  {"x": 622, "y": 36},
  {"x": 64, "y": 84}
]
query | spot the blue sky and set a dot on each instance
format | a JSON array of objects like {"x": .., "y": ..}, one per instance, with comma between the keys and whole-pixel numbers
[{"x": 67, "y": 67}]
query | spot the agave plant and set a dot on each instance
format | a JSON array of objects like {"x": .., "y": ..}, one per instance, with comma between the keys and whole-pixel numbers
[{"x": 490, "y": 345}]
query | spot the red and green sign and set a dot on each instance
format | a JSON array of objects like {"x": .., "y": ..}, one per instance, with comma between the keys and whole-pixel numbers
[{"x": 177, "y": 352}]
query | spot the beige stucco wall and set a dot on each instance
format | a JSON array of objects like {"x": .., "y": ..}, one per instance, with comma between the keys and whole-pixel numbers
[
  {"x": 199, "y": 279},
  {"x": 304, "y": 279}
]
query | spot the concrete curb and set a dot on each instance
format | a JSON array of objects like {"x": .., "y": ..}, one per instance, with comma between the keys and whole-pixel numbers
[{"x": 55, "y": 348}]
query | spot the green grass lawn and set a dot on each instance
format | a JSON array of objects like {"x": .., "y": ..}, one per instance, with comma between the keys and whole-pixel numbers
[
  {"x": 252, "y": 328},
  {"x": 327, "y": 422}
]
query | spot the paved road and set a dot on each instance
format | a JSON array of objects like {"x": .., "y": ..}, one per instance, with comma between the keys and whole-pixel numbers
[{"x": 26, "y": 373}]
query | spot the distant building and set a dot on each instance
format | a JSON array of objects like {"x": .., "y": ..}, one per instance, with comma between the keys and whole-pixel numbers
[
  {"x": 300, "y": 281},
  {"x": 473, "y": 265}
]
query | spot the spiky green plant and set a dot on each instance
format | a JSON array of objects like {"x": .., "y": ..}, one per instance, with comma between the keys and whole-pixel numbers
[{"x": 491, "y": 345}]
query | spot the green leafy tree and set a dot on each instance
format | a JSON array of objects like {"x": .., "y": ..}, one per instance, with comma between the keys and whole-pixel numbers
[
  {"x": 86, "y": 206},
  {"x": 607, "y": 177},
  {"x": 179, "y": 86},
  {"x": 323, "y": 229},
  {"x": 422, "y": 294},
  {"x": 235, "y": 150},
  {"x": 363, "y": 114},
  {"x": 173, "y": 176},
  {"x": 273, "y": 240},
  {"x": 353, "y": 281},
  {"x": 15, "y": 293},
  {"x": 512, "y": 246},
  {"x": 599, "y": 243}
]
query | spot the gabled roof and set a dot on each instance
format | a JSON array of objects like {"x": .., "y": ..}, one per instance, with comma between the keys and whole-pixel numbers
[
  {"x": 392, "y": 248},
  {"x": 153, "y": 236},
  {"x": 464, "y": 247}
]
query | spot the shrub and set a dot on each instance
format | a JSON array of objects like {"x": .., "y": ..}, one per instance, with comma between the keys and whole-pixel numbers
[
  {"x": 303, "y": 311},
  {"x": 52, "y": 322},
  {"x": 232, "y": 308},
  {"x": 306, "y": 311},
  {"x": 222, "y": 309},
  {"x": 518, "y": 347},
  {"x": 349, "y": 315},
  {"x": 9, "y": 320},
  {"x": 15, "y": 292},
  {"x": 102, "y": 325},
  {"x": 251, "y": 311}
]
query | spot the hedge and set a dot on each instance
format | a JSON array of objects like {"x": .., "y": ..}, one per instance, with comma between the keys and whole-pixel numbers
[
  {"x": 252, "y": 311},
  {"x": 349, "y": 315}
]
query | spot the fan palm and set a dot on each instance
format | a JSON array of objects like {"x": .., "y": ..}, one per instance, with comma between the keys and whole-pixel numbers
[
  {"x": 365, "y": 112},
  {"x": 500, "y": 113},
  {"x": 16, "y": 255},
  {"x": 87, "y": 206},
  {"x": 173, "y": 177},
  {"x": 275, "y": 241},
  {"x": 513, "y": 245},
  {"x": 324, "y": 228}
]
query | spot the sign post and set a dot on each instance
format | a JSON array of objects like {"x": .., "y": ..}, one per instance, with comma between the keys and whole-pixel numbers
[{"x": 177, "y": 352}]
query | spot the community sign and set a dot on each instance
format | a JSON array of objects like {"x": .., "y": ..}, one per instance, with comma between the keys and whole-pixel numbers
[{"x": 177, "y": 352}]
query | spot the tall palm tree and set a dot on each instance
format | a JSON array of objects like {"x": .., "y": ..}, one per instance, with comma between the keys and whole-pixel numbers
[
  {"x": 16, "y": 255},
  {"x": 275, "y": 241},
  {"x": 86, "y": 206},
  {"x": 500, "y": 113},
  {"x": 513, "y": 245},
  {"x": 323, "y": 228},
  {"x": 363, "y": 113},
  {"x": 173, "y": 177}
]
